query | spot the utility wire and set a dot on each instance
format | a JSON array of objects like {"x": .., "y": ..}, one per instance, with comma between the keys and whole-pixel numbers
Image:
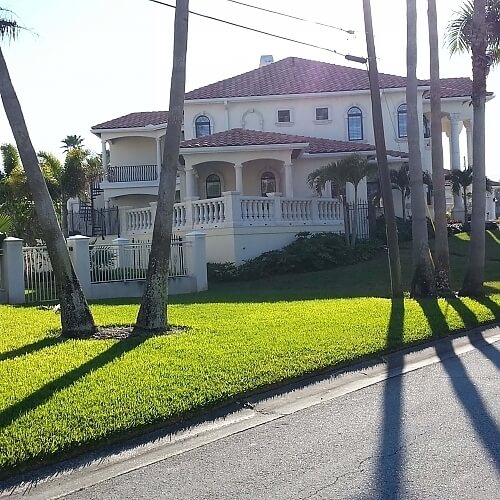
[
  {"x": 349, "y": 32},
  {"x": 255, "y": 30}
]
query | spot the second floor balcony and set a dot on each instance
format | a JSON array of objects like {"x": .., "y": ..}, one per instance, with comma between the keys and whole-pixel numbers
[{"x": 132, "y": 173}]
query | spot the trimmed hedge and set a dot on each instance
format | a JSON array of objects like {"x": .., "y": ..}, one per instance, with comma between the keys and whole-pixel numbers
[{"x": 309, "y": 252}]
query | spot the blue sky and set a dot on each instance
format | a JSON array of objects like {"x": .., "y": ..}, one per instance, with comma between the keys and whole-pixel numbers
[{"x": 92, "y": 60}]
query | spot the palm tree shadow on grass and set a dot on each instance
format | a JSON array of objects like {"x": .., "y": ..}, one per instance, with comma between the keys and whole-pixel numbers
[
  {"x": 389, "y": 466},
  {"x": 31, "y": 348},
  {"x": 469, "y": 397},
  {"x": 42, "y": 395}
]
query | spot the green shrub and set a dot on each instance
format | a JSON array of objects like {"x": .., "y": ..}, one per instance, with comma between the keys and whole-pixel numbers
[{"x": 309, "y": 252}]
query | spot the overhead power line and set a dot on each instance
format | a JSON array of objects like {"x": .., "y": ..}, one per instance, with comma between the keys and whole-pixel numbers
[
  {"x": 255, "y": 30},
  {"x": 349, "y": 32}
]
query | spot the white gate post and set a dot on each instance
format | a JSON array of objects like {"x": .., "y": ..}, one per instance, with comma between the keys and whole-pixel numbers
[
  {"x": 197, "y": 258},
  {"x": 13, "y": 270},
  {"x": 121, "y": 255},
  {"x": 78, "y": 247}
]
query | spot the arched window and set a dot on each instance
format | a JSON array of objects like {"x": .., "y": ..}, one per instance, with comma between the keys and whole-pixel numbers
[
  {"x": 267, "y": 183},
  {"x": 213, "y": 186},
  {"x": 355, "y": 124},
  {"x": 202, "y": 126},
  {"x": 427, "y": 128},
  {"x": 402, "y": 124}
]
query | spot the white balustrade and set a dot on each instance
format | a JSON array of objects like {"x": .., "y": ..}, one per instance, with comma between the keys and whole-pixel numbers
[
  {"x": 139, "y": 220},
  {"x": 208, "y": 212},
  {"x": 296, "y": 210},
  {"x": 179, "y": 215},
  {"x": 329, "y": 210},
  {"x": 256, "y": 210}
]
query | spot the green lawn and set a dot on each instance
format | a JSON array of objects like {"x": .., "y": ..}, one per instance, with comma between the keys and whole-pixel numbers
[{"x": 57, "y": 396}]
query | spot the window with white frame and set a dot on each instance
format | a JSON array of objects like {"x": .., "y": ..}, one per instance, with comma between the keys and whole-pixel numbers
[
  {"x": 202, "y": 126},
  {"x": 402, "y": 122},
  {"x": 213, "y": 186},
  {"x": 322, "y": 114},
  {"x": 355, "y": 124},
  {"x": 284, "y": 116}
]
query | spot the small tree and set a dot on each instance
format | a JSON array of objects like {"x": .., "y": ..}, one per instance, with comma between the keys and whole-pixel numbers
[
  {"x": 72, "y": 142},
  {"x": 400, "y": 180},
  {"x": 353, "y": 170},
  {"x": 460, "y": 181}
]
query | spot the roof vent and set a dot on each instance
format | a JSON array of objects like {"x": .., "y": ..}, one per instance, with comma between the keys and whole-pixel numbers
[{"x": 265, "y": 60}]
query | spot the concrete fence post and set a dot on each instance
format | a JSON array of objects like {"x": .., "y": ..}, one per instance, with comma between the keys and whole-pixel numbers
[
  {"x": 13, "y": 270},
  {"x": 78, "y": 247},
  {"x": 197, "y": 258},
  {"x": 122, "y": 260}
]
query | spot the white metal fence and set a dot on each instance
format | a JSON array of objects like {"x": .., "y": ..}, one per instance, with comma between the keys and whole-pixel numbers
[
  {"x": 129, "y": 261},
  {"x": 39, "y": 281}
]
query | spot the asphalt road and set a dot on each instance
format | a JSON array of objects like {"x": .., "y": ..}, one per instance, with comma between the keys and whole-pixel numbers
[{"x": 431, "y": 433}]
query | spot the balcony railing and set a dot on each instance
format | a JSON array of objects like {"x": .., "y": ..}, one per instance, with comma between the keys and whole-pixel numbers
[
  {"x": 132, "y": 173},
  {"x": 234, "y": 210}
]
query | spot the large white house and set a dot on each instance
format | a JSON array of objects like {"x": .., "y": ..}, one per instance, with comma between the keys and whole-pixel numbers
[{"x": 249, "y": 143}]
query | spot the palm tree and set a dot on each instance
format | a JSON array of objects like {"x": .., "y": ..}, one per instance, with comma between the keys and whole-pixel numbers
[
  {"x": 353, "y": 170},
  {"x": 476, "y": 29},
  {"x": 72, "y": 142},
  {"x": 460, "y": 181},
  {"x": 441, "y": 250},
  {"x": 385, "y": 182},
  {"x": 10, "y": 157},
  {"x": 400, "y": 180},
  {"x": 423, "y": 279},
  {"x": 76, "y": 318},
  {"x": 152, "y": 314}
]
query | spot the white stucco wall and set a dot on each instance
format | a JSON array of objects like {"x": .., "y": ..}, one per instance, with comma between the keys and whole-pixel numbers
[{"x": 133, "y": 151}]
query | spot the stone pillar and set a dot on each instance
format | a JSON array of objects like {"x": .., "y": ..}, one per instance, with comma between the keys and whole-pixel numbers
[
  {"x": 468, "y": 130},
  {"x": 158, "y": 157},
  {"x": 238, "y": 170},
  {"x": 288, "y": 180},
  {"x": 455, "y": 141},
  {"x": 78, "y": 247},
  {"x": 232, "y": 208},
  {"x": 13, "y": 270},
  {"x": 122, "y": 214},
  {"x": 190, "y": 192},
  {"x": 121, "y": 254},
  {"x": 153, "y": 205},
  {"x": 197, "y": 258},
  {"x": 277, "y": 212}
]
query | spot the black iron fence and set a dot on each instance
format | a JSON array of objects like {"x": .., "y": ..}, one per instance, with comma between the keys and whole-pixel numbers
[
  {"x": 366, "y": 219},
  {"x": 94, "y": 222}
]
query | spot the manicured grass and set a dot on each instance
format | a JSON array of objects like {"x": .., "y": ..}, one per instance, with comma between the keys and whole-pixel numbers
[{"x": 56, "y": 395}]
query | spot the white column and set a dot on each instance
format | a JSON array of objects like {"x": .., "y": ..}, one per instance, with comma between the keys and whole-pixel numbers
[
  {"x": 189, "y": 183},
  {"x": 455, "y": 141},
  {"x": 158, "y": 156},
  {"x": 78, "y": 247},
  {"x": 288, "y": 180},
  {"x": 104, "y": 155},
  {"x": 468, "y": 129},
  {"x": 13, "y": 270},
  {"x": 197, "y": 260},
  {"x": 238, "y": 170}
]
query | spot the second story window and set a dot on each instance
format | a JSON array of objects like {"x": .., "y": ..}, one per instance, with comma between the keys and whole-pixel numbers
[
  {"x": 202, "y": 126},
  {"x": 427, "y": 128},
  {"x": 355, "y": 124},
  {"x": 284, "y": 116},
  {"x": 402, "y": 124},
  {"x": 321, "y": 114}
]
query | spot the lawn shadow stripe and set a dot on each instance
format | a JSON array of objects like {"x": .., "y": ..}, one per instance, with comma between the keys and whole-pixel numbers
[
  {"x": 40, "y": 396},
  {"x": 31, "y": 348},
  {"x": 466, "y": 315},
  {"x": 389, "y": 472}
]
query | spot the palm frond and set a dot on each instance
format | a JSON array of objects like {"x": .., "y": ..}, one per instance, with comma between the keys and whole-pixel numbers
[
  {"x": 5, "y": 223},
  {"x": 9, "y": 27}
]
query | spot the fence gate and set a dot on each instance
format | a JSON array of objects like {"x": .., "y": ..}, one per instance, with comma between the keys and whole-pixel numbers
[{"x": 39, "y": 281}]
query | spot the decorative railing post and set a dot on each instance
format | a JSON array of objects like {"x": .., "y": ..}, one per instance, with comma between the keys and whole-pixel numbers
[
  {"x": 232, "y": 202},
  {"x": 277, "y": 209},
  {"x": 124, "y": 227},
  {"x": 79, "y": 252},
  {"x": 122, "y": 261},
  {"x": 197, "y": 259},
  {"x": 189, "y": 211},
  {"x": 315, "y": 210},
  {"x": 13, "y": 270}
]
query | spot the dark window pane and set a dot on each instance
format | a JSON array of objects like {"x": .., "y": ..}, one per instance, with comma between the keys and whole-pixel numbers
[
  {"x": 267, "y": 183},
  {"x": 402, "y": 125},
  {"x": 283, "y": 115},
  {"x": 355, "y": 124},
  {"x": 213, "y": 186},
  {"x": 202, "y": 126},
  {"x": 321, "y": 113}
]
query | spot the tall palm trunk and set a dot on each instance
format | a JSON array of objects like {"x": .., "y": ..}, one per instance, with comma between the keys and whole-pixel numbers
[
  {"x": 423, "y": 281},
  {"x": 347, "y": 219},
  {"x": 441, "y": 251},
  {"x": 76, "y": 318},
  {"x": 385, "y": 181},
  {"x": 354, "y": 230},
  {"x": 474, "y": 277},
  {"x": 466, "y": 210},
  {"x": 64, "y": 213},
  {"x": 152, "y": 314},
  {"x": 403, "y": 204}
]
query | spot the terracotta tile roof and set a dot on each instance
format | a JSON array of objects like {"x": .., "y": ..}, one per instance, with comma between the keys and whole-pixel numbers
[
  {"x": 135, "y": 120},
  {"x": 245, "y": 137},
  {"x": 294, "y": 75},
  {"x": 454, "y": 87}
]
